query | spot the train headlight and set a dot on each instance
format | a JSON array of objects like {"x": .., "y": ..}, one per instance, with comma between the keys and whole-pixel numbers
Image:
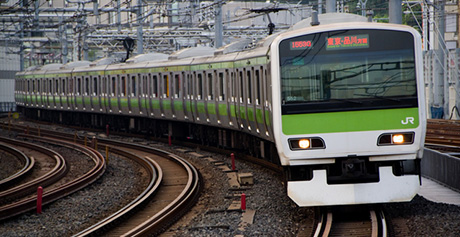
[
  {"x": 396, "y": 139},
  {"x": 306, "y": 143}
]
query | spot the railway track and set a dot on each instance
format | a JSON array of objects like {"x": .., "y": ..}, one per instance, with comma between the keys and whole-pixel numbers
[
  {"x": 175, "y": 185},
  {"x": 351, "y": 221},
  {"x": 50, "y": 194},
  {"x": 26, "y": 162}
]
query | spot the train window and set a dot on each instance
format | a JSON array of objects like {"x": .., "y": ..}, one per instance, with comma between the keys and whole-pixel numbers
[
  {"x": 114, "y": 86},
  {"x": 50, "y": 87},
  {"x": 189, "y": 87},
  {"x": 210, "y": 91},
  {"x": 257, "y": 87},
  {"x": 165, "y": 86},
  {"x": 28, "y": 85},
  {"x": 144, "y": 86},
  {"x": 104, "y": 85},
  {"x": 123, "y": 86},
  {"x": 155, "y": 86},
  {"x": 87, "y": 86},
  {"x": 133, "y": 86},
  {"x": 176, "y": 86},
  {"x": 200, "y": 86},
  {"x": 78, "y": 86},
  {"x": 249, "y": 80},
  {"x": 95, "y": 87},
  {"x": 241, "y": 87},
  {"x": 63, "y": 90},
  {"x": 221, "y": 86}
]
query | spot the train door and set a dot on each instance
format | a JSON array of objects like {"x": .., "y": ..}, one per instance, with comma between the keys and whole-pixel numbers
[
  {"x": 143, "y": 87},
  {"x": 133, "y": 94},
  {"x": 165, "y": 98},
  {"x": 241, "y": 105},
  {"x": 49, "y": 93},
  {"x": 123, "y": 103},
  {"x": 250, "y": 101},
  {"x": 232, "y": 98},
  {"x": 221, "y": 98},
  {"x": 188, "y": 95},
  {"x": 258, "y": 101},
  {"x": 112, "y": 97},
  {"x": 87, "y": 91},
  {"x": 155, "y": 95},
  {"x": 179, "y": 98},
  {"x": 267, "y": 102},
  {"x": 200, "y": 104},
  {"x": 210, "y": 101},
  {"x": 103, "y": 100}
]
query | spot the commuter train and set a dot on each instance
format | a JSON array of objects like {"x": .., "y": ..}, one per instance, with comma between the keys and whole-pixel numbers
[{"x": 339, "y": 106}]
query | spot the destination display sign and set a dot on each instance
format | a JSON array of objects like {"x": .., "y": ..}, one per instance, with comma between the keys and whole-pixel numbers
[{"x": 347, "y": 42}]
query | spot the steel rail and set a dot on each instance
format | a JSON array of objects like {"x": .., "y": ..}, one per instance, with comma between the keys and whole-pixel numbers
[
  {"x": 57, "y": 172},
  {"x": 50, "y": 195},
  {"x": 155, "y": 175},
  {"x": 26, "y": 161}
]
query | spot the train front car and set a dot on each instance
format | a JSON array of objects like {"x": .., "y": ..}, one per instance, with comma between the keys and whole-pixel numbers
[{"x": 349, "y": 112}]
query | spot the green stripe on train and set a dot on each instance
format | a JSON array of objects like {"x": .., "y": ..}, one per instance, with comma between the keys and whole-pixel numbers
[{"x": 350, "y": 121}]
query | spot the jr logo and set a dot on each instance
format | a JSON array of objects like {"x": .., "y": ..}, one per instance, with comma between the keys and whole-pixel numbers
[{"x": 408, "y": 120}]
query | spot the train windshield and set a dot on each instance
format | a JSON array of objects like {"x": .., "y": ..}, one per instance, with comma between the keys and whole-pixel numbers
[{"x": 348, "y": 70}]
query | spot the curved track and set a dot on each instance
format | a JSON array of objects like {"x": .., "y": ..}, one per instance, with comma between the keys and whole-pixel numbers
[
  {"x": 161, "y": 204},
  {"x": 53, "y": 194},
  {"x": 27, "y": 165}
]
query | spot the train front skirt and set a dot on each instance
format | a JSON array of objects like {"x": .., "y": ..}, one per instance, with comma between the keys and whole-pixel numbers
[{"x": 317, "y": 192}]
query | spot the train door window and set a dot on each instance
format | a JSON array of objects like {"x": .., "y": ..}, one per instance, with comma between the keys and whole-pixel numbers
[
  {"x": 56, "y": 86},
  {"x": 189, "y": 87},
  {"x": 249, "y": 82},
  {"x": 133, "y": 86},
  {"x": 165, "y": 86},
  {"x": 210, "y": 88},
  {"x": 87, "y": 86},
  {"x": 257, "y": 86},
  {"x": 221, "y": 86},
  {"x": 28, "y": 85},
  {"x": 200, "y": 86},
  {"x": 78, "y": 86},
  {"x": 63, "y": 84},
  {"x": 50, "y": 86},
  {"x": 241, "y": 89},
  {"x": 155, "y": 86},
  {"x": 143, "y": 87},
  {"x": 114, "y": 86},
  {"x": 95, "y": 87},
  {"x": 123, "y": 86},
  {"x": 176, "y": 86},
  {"x": 103, "y": 85}
]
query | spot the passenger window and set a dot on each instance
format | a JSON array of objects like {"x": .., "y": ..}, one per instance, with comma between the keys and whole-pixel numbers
[
  {"x": 200, "y": 87},
  {"x": 95, "y": 87},
  {"x": 123, "y": 86},
  {"x": 257, "y": 87},
  {"x": 249, "y": 80},
  {"x": 241, "y": 87},
  {"x": 210, "y": 88},
  {"x": 114, "y": 86},
  {"x": 221, "y": 86},
  {"x": 133, "y": 86},
  {"x": 165, "y": 86},
  {"x": 155, "y": 86},
  {"x": 176, "y": 86},
  {"x": 87, "y": 86}
]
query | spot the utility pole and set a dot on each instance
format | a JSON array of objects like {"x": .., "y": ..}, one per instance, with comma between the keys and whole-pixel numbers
[
  {"x": 218, "y": 23},
  {"x": 140, "y": 35},
  {"x": 395, "y": 11},
  {"x": 440, "y": 84},
  {"x": 330, "y": 6}
]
